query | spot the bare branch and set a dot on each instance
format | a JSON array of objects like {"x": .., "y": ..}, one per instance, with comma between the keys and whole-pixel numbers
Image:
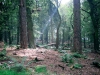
[{"x": 85, "y": 11}]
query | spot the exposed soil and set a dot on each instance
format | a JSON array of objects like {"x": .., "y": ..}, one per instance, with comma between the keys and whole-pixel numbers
[{"x": 52, "y": 59}]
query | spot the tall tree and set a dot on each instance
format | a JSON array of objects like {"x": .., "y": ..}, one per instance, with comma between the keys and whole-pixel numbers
[
  {"x": 77, "y": 45},
  {"x": 94, "y": 13},
  {"x": 23, "y": 25},
  {"x": 58, "y": 26},
  {"x": 30, "y": 27}
]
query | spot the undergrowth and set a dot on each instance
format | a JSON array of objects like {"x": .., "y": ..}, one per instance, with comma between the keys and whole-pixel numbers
[
  {"x": 72, "y": 60},
  {"x": 77, "y": 55},
  {"x": 67, "y": 58},
  {"x": 13, "y": 72},
  {"x": 42, "y": 70},
  {"x": 77, "y": 66},
  {"x": 16, "y": 70},
  {"x": 3, "y": 54}
]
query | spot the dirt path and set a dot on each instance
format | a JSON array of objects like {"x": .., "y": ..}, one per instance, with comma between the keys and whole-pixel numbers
[{"x": 52, "y": 59}]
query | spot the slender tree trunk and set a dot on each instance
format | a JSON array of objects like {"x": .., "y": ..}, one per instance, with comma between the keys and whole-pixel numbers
[
  {"x": 18, "y": 36},
  {"x": 23, "y": 25},
  {"x": 77, "y": 44},
  {"x": 63, "y": 38},
  {"x": 42, "y": 37},
  {"x": 57, "y": 34},
  {"x": 84, "y": 41},
  {"x": 46, "y": 36},
  {"x": 1, "y": 36},
  {"x": 5, "y": 37},
  {"x": 52, "y": 32},
  {"x": 9, "y": 36}
]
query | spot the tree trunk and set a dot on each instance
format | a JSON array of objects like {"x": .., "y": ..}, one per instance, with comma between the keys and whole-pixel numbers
[
  {"x": 63, "y": 38},
  {"x": 18, "y": 35},
  {"x": 23, "y": 25},
  {"x": 52, "y": 38},
  {"x": 30, "y": 29},
  {"x": 5, "y": 37},
  {"x": 57, "y": 34},
  {"x": 46, "y": 36},
  {"x": 9, "y": 37},
  {"x": 77, "y": 44},
  {"x": 84, "y": 41},
  {"x": 95, "y": 22},
  {"x": 1, "y": 36}
]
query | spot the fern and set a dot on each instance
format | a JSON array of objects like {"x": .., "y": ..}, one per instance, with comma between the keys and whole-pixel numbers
[
  {"x": 77, "y": 66},
  {"x": 67, "y": 58}
]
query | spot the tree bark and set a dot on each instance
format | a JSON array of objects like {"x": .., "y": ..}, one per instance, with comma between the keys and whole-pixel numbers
[
  {"x": 30, "y": 29},
  {"x": 95, "y": 22},
  {"x": 57, "y": 34},
  {"x": 46, "y": 36},
  {"x": 1, "y": 36},
  {"x": 23, "y": 25},
  {"x": 18, "y": 36},
  {"x": 77, "y": 44}
]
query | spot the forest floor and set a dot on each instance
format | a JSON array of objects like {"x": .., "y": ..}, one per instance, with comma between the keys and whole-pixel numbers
[{"x": 52, "y": 60}]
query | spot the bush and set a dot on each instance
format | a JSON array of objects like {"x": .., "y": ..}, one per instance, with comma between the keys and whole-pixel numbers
[
  {"x": 18, "y": 68},
  {"x": 40, "y": 69},
  {"x": 67, "y": 58},
  {"x": 3, "y": 55},
  {"x": 96, "y": 64},
  {"x": 5, "y": 69},
  {"x": 77, "y": 55},
  {"x": 77, "y": 66}
]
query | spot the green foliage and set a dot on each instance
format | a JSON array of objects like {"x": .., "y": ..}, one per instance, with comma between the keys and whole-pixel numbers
[
  {"x": 96, "y": 64},
  {"x": 6, "y": 69},
  {"x": 15, "y": 69},
  {"x": 61, "y": 51},
  {"x": 18, "y": 47},
  {"x": 77, "y": 66},
  {"x": 67, "y": 58},
  {"x": 3, "y": 55},
  {"x": 3, "y": 52},
  {"x": 87, "y": 50},
  {"x": 40, "y": 69},
  {"x": 77, "y": 55},
  {"x": 12, "y": 72},
  {"x": 18, "y": 68},
  {"x": 4, "y": 66}
]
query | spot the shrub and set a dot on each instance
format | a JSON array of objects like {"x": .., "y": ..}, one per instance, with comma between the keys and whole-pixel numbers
[
  {"x": 40, "y": 69},
  {"x": 18, "y": 68},
  {"x": 77, "y": 66},
  {"x": 77, "y": 55},
  {"x": 5, "y": 69},
  {"x": 3, "y": 55},
  {"x": 96, "y": 64},
  {"x": 67, "y": 58}
]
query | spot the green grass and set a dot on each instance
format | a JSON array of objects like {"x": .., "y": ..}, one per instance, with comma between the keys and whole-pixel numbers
[
  {"x": 15, "y": 69},
  {"x": 40, "y": 69},
  {"x": 12, "y": 72}
]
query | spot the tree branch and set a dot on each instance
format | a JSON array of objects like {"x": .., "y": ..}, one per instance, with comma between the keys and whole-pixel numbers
[{"x": 85, "y": 11}]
